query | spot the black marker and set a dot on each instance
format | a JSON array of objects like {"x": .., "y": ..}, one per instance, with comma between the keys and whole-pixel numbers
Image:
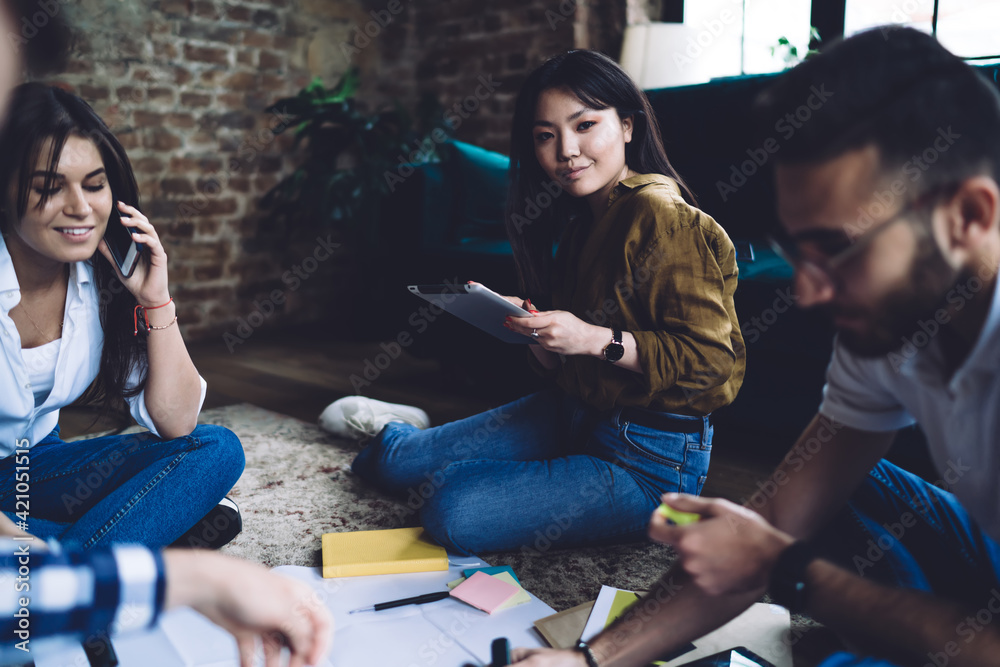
[
  {"x": 100, "y": 652},
  {"x": 500, "y": 652}
]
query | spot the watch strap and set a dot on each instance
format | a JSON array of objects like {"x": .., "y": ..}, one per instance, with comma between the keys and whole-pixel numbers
[
  {"x": 614, "y": 350},
  {"x": 588, "y": 653},
  {"x": 788, "y": 586}
]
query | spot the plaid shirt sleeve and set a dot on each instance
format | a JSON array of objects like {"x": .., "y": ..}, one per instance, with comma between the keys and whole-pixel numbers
[{"x": 80, "y": 593}]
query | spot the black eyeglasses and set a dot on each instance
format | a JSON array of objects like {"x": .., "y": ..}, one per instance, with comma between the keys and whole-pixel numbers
[{"x": 826, "y": 270}]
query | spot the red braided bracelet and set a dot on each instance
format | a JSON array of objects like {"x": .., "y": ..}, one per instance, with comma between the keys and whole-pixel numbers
[{"x": 145, "y": 316}]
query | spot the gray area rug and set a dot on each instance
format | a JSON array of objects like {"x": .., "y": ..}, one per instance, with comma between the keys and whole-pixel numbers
[{"x": 298, "y": 485}]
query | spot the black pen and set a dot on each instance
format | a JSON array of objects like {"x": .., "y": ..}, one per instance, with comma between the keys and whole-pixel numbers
[{"x": 420, "y": 599}]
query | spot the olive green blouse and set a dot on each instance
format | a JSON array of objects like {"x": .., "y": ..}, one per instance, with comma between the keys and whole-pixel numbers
[{"x": 661, "y": 269}]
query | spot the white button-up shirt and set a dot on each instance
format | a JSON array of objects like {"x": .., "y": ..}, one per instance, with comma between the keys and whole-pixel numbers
[
  {"x": 959, "y": 415},
  {"x": 21, "y": 423}
]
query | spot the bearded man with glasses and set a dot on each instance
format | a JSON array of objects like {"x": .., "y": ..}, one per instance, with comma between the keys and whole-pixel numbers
[{"x": 889, "y": 206}]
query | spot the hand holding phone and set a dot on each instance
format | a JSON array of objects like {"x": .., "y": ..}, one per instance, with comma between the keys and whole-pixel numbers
[{"x": 121, "y": 244}]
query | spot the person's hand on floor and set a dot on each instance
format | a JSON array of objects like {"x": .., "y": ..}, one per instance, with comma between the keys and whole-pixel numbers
[
  {"x": 250, "y": 602},
  {"x": 732, "y": 549},
  {"x": 547, "y": 657}
]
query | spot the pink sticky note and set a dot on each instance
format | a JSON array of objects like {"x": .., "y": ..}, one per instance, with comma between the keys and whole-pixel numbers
[{"x": 484, "y": 592}]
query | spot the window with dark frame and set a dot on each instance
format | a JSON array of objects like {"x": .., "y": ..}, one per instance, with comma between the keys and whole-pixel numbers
[
  {"x": 962, "y": 26},
  {"x": 741, "y": 37}
]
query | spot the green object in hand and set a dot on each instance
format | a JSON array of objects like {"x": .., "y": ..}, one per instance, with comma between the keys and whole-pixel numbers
[{"x": 676, "y": 516}]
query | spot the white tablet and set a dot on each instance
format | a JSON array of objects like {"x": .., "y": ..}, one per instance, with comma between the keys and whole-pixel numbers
[{"x": 477, "y": 305}]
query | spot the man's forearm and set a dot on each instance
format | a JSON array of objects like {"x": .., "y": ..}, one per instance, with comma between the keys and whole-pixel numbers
[
  {"x": 673, "y": 613},
  {"x": 903, "y": 625},
  {"x": 808, "y": 490}
]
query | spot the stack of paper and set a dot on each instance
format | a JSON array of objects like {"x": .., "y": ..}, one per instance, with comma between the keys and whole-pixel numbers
[
  {"x": 497, "y": 569},
  {"x": 491, "y": 592},
  {"x": 521, "y": 597}
]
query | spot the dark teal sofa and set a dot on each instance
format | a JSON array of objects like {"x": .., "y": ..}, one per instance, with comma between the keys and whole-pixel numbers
[{"x": 444, "y": 223}]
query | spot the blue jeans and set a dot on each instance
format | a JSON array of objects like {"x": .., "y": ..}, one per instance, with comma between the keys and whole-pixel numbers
[
  {"x": 904, "y": 532},
  {"x": 544, "y": 471},
  {"x": 122, "y": 488}
]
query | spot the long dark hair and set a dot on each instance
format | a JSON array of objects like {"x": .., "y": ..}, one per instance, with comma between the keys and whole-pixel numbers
[
  {"x": 533, "y": 213},
  {"x": 38, "y": 113}
]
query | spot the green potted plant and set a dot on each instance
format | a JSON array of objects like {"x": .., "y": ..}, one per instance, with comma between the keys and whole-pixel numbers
[
  {"x": 789, "y": 53},
  {"x": 346, "y": 152}
]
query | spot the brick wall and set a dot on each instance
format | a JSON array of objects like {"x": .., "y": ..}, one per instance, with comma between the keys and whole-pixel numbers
[
  {"x": 184, "y": 85},
  {"x": 457, "y": 45}
]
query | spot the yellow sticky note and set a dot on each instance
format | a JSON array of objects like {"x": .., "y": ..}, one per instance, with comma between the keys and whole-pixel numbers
[
  {"x": 623, "y": 600},
  {"x": 676, "y": 516},
  {"x": 521, "y": 597}
]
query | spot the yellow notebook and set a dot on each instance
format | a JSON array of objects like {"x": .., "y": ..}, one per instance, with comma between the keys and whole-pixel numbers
[{"x": 381, "y": 552}]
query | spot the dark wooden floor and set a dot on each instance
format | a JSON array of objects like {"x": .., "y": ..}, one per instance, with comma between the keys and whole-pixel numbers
[
  {"x": 299, "y": 372},
  {"x": 299, "y": 375}
]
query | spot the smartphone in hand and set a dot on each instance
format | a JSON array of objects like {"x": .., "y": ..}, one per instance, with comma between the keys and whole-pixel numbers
[{"x": 123, "y": 247}]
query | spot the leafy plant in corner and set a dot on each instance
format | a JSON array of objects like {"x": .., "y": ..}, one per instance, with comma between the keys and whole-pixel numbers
[
  {"x": 790, "y": 53},
  {"x": 346, "y": 152}
]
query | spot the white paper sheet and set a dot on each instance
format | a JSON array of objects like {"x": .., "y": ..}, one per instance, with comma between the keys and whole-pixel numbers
[
  {"x": 447, "y": 633},
  {"x": 763, "y": 628},
  {"x": 598, "y": 618}
]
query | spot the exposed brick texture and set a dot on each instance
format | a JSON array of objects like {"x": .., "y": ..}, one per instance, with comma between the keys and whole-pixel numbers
[{"x": 185, "y": 93}]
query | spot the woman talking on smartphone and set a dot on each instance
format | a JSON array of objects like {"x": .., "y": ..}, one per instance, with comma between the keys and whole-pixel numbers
[
  {"x": 635, "y": 326},
  {"x": 72, "y": 325}
]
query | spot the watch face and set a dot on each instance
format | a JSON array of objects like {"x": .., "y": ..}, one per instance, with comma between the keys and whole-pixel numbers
[{"x": 614, "y": 351}]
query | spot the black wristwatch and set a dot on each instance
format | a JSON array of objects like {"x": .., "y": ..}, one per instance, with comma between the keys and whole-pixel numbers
[
  {"x": 614, "y": 350},
  {"x": 588, "y": 653},
  {"x": 789, "y": 586}
]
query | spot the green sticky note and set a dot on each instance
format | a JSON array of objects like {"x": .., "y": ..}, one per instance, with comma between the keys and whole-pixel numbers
[
  {"x": 676, "y": 516},
  {"x": 496, "y": 569},
  {"x": 453, "y": 584}
]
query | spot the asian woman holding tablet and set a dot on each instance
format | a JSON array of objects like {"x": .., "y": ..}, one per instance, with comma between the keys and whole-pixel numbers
[{"x": 635, "y": 325}]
